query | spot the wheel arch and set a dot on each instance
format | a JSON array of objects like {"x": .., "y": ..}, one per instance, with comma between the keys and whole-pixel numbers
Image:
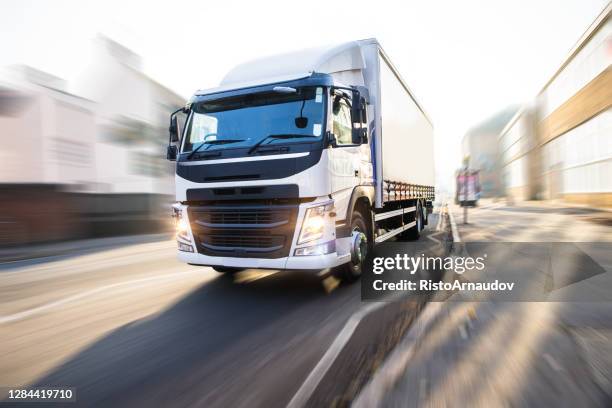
[{"x": 362, "y": 198}]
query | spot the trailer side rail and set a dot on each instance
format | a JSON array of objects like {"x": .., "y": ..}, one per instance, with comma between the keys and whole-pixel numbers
[{"x": 396, "y": 191}]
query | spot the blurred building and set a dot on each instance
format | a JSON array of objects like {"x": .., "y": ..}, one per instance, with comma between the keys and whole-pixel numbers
[
  {"x": 560, "y": 145},
  {"x": 48, "y": 147},
  {"x": 132, "y": 113},
  {"x": 481, "y": 145},
  {"x": 86, "y": 163},
  {"x": 134, "y": 180},
  {"x": 520, "y": 157}
]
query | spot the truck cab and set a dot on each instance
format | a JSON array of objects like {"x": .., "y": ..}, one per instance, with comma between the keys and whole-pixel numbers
[{"x": 278, "y": 171}]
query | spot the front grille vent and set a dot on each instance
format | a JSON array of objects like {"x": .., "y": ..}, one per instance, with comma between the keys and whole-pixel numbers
[{"x": 244, "y": 231}]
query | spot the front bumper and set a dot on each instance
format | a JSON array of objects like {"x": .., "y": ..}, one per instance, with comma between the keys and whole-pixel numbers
[
  {"x": 246, "y": 220},
  {"x": 317, "y": 262}
]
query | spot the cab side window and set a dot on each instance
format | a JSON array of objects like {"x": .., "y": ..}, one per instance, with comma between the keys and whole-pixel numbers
[{"x": 342, "y": 125}]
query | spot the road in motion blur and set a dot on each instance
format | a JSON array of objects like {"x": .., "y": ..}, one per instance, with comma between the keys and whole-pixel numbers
[
  {"x": 132, "y": 326},
  {"x": 499, "y": 353}
]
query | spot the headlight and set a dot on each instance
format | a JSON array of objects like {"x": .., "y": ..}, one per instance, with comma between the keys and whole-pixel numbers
[
  {"x": 314, "y": 223},
  {"x": 182, "y": 227},
  {"x": 181, "y": 224}
]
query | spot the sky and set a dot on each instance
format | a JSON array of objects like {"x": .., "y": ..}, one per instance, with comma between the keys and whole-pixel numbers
[{"x": 464, "y": 60}]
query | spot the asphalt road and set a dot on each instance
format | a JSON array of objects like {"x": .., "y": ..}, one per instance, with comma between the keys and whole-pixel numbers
[
  {"x": 132, "y": 327},
  {"x": 496, "y": 353}
]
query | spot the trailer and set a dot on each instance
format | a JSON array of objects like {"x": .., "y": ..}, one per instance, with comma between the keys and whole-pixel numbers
[{"x": 302, "y": 161}]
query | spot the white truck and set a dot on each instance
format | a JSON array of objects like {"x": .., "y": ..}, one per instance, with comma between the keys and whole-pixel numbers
[{"x": 302, "y": 161}]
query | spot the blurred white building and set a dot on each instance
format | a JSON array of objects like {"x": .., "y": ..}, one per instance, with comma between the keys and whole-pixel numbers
[
  {"x": 132, "y": 113},
  {"x": 49, "y": 134},
  {"x": 560, "y": 147},
  {"x": 481, "y": 145},
  {"x": 521, "y": 157},
  {"x": 91, "y": 162},
  {"x": 48, "y": 147}
]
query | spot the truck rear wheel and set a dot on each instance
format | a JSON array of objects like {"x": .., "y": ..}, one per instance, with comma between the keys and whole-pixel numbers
[{"x": 361, "y": 245}]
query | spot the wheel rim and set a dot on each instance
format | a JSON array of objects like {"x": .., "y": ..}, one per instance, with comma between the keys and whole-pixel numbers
[
  {"x": 359, "y": 249},
  {"x": 419, "y": 220}
]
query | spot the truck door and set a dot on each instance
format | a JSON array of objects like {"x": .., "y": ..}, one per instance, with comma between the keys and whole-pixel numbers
[{"x": 345, "y": 157}]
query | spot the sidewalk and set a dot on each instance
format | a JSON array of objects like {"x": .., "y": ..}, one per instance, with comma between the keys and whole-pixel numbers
[
  {"x": 505, "y": 354},
  {"x": 67, "y": 248},
  {"x": 533, "y": 221}
]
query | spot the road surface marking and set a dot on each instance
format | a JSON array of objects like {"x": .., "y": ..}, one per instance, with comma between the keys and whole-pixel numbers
[
  {"x": 306, "y": 390},
  {"x": 316, "y": 375},
  {"x": 456, "y": 237},
  {"x": 439, "y": 220},
  {"x": 434, "y": 240},
  {"x": 39, "y": 309},
  {"x": 396, "y": 362}
]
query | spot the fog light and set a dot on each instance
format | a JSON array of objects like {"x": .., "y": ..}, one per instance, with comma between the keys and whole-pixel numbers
[
  {"x": 185, "y": 247},
  {"x": 321, "y": 249}
]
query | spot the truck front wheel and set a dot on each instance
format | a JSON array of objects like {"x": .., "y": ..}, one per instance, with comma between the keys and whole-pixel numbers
[{"x": 360, "y": 245}]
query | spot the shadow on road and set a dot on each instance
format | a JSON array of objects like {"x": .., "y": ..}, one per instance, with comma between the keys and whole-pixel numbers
[{"x": 188, "y": 353}]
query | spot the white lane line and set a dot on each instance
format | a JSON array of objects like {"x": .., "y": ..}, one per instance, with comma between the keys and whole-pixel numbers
[
  {"x": 439, "y": 220},
  {"x": 434, "y": 240},
  {"x": 306, "y": 390},
  {"x": 438, "y": 227},
  {"x": 316, "y": 375},
  {"x": 456, "y": 237},
  {"x": 30, "y": 312}
]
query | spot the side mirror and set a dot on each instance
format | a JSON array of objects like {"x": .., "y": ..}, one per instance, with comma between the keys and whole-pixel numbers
[
  {"x": 331, "y": 139},
  {"x": 359, "y": 118},
  {"x": 356, "y": 107},
  {"x": 171, "y": 153},
  {"x": 360, "y": 136},
  {"x": 364, "y": 135},
  {"x": 173, "y": 129}
]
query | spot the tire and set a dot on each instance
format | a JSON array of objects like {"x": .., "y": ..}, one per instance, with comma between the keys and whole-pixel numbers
[
  {"x": 351, "y": 271},
  {"x": 414, "y": 233},
  {"x": 226, "y": 269}
]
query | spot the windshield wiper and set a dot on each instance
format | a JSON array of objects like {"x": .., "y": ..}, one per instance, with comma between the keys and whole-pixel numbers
[
  {"x": 213, "y": 142},
  {"x": 280, "y": 136}
]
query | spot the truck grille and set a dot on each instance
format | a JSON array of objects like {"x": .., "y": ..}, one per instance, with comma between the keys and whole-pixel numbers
[
  {"x": 244, "y": 217},
  {"x": 243, "y": 231}
]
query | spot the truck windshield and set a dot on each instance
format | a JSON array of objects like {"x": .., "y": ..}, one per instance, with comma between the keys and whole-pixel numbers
[{"x": 247, "y": 119}]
